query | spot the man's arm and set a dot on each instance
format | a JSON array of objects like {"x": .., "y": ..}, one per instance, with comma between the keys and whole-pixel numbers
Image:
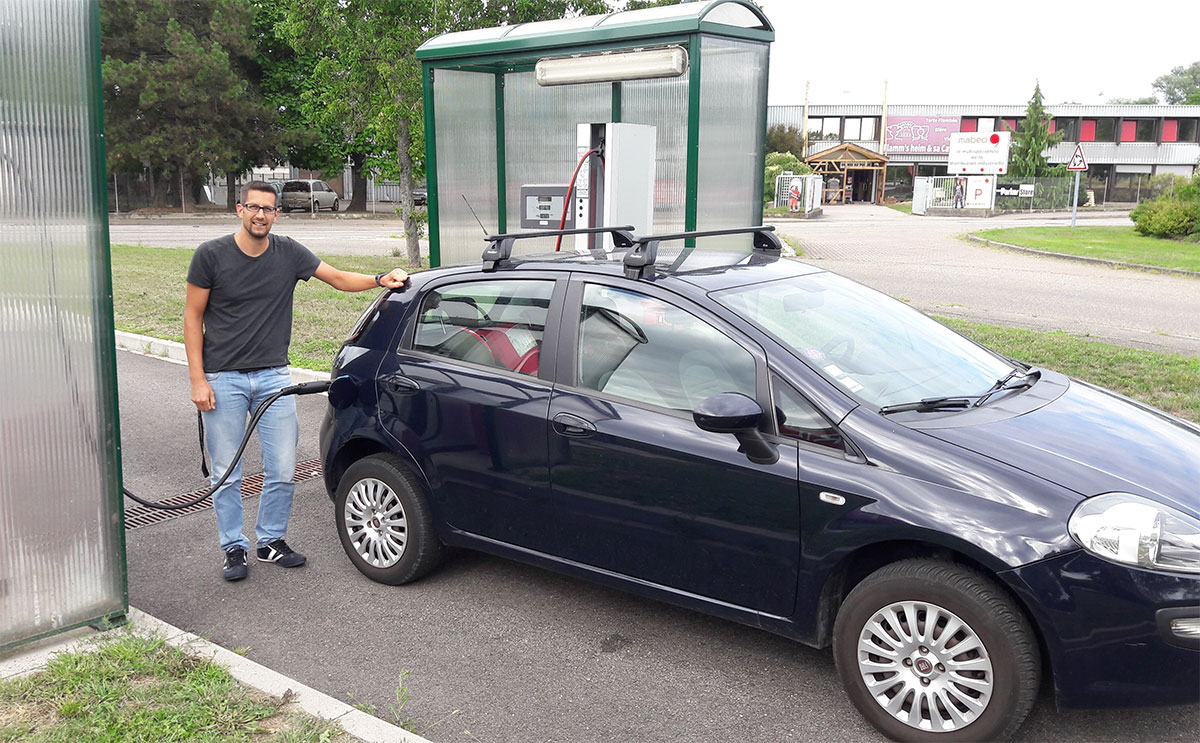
[
  {"x": 348, "y": 281},
  {"x": 193, "y": 344}
]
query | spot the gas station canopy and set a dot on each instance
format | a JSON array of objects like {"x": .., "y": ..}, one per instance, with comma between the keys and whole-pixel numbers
[{"x": 503, "y": 106}]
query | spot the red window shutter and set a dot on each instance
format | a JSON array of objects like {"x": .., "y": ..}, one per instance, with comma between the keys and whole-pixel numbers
[
  {"x": 969, "y": 125},
  {"x": 1170, "y": 130},
  {"x": 1087, "y": 132},
  {"x": 1128, "y": 131}
]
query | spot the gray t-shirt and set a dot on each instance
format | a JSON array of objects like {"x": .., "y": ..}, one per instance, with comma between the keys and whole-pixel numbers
[{"x": 248, "y": 320}]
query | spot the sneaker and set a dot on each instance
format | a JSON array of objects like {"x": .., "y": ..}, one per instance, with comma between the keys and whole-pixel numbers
[
  {"x": 235, "y": 564},
  {"x": 280, "y": 553}
]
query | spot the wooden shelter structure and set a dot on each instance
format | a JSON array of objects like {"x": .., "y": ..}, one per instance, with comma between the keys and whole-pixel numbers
[{"x": 851, "y": 173}]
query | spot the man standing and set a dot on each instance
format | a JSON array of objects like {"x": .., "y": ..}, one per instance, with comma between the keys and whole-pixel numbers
[{"x": 237, "y": 326}]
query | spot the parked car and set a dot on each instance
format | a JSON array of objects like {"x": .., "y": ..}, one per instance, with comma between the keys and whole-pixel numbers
[
  {"x": 772, "y": 443},
  {"x": 420, "y": 196},
  {"x": 308, "y": 195}
]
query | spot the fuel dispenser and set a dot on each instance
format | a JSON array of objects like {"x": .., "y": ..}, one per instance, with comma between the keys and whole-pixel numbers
[{"x": 613, "y": 184}]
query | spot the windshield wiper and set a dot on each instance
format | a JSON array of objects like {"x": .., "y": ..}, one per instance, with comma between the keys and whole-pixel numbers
[
  {"x": 929, "y": 404},
  {"x": 1028, "y": 377}
]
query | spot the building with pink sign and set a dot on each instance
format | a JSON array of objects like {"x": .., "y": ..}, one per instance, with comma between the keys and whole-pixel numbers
[{"x": 1125, "y": 145}]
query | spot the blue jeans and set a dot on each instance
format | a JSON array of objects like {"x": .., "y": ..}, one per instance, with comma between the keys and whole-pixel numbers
[{"x": 238, "y": 394}]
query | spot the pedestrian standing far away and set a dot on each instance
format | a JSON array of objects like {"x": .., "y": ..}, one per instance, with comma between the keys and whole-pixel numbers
[{"x": 237, "y": 326}]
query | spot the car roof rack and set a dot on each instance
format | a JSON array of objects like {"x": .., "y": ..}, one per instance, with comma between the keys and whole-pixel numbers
[
  {"x": 500, "y": 247},
  {"x": 639, "y": 262}
]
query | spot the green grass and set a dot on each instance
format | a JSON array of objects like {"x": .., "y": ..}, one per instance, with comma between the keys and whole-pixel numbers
[
  {"x": 1166, "y": 381},
  {"x": 131, "y": 688},
  {"x": 903, "y": 206},
  {"x": 149, "y": 292},
  {"x": 793, "y": 243},
  {"x": 1110, "y": 243},
  {"x": 149, "y": 286}
]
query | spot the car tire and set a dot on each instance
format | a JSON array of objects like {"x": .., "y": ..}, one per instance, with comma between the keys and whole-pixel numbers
[
  {"x": 335, "y": 205},
  {"x": 923, "y": 688},
  {"x": 384, "y": 521}
]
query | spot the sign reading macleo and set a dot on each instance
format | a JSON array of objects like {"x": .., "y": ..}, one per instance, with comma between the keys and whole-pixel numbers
[{"x": 982, "y": 152}]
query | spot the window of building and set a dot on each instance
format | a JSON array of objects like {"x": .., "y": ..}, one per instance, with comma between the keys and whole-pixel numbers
[
  {"x": 1188, "y": 131},
  {"x": 860, "y": 128},
  {"x": 1096, "y": 181},
  {"x": 969, "y": 124},
  {"x": 1106, "y": 130},
  {"x": 1137, "y": 130},
  {"x": 1010, "y": 125},
  {"x": 1068, "y": 126},
  {"x": 1129, "y": 187},
  {"x": 831, "y": 128}
]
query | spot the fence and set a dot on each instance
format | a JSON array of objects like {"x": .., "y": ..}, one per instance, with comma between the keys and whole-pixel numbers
[
  {"x": 1030, "y": 194},
  {"x": 809, "y": 189}
]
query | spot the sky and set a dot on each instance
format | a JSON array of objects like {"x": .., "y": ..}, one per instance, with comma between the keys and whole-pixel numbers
[{"x": 972, "y": 51}]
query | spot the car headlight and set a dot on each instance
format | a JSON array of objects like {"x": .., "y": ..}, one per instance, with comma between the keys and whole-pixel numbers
[{"x": 1137, "y": 531}]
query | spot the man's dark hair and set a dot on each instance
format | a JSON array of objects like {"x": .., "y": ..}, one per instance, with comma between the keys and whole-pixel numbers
[{"x": 257, "y": 186}]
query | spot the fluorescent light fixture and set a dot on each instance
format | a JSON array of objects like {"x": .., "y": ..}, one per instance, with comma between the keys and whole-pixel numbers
[{"x": 641, "y": 64}]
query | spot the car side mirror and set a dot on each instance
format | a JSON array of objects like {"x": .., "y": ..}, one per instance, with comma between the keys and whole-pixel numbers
[{"x": 740, "y": 415}]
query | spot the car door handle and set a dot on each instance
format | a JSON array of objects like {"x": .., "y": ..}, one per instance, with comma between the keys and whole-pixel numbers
[
  {"x": 401, "y": 384},
  {"x": 572, "y": 425}
]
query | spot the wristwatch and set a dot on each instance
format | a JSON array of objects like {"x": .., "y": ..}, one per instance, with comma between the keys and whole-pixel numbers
[{"x": 379, "y": 276}]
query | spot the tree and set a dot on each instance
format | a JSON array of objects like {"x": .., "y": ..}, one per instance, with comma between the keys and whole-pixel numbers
[
  {"x": 1145, "y": 101},
  {"x": 176, "y": 100},
  {"x": 367, "y": 82},
  {"x": 1025, "y": 159},
  {"x": 782, "y": 138},
  {"x": 1180, "y": 85}
]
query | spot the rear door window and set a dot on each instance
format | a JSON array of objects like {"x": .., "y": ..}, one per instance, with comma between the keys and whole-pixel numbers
[{"x": 493, "y": 323}]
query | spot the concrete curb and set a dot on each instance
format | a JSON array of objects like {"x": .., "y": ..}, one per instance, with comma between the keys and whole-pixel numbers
[
  {"x": 174, "y": 351},
  {"x": 355, "y": 722},
  {"x": 1085, "y": 259}
]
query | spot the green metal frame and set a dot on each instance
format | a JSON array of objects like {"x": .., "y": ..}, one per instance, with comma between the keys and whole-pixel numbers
[
  {"x": 102, "y": 311},
  {"x": 501, "y": 169},
  {"x": 625, "y": 34},
  {"x": 500, "y": 56},
  {"x": 431, "y": 169},
  {"x": 103, "y": 329},
  {"x": 693, "y": 140}
]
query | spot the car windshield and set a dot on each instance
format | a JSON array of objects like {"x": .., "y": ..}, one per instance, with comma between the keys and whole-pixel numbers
[
  {"x": 295, "y": 186},
  {"x": 879, "y": 349}
]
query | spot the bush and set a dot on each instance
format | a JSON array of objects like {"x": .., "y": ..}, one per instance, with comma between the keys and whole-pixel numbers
[
  {"x": 776, "y": 163},
  {"x": 1167, "y": 217},
  {"x": 1174, "y": 214}
]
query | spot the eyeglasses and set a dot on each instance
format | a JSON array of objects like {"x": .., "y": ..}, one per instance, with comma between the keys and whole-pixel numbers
[{"x": 256, "y": 208}]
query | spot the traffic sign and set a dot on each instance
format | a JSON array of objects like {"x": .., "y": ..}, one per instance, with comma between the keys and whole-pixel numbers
[{"x": 1078, "y": 161}]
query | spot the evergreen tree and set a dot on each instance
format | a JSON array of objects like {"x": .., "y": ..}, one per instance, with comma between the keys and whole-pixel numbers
[
  {"x": 177, "y": 100},
  {"x": 1026, "y": 158}
]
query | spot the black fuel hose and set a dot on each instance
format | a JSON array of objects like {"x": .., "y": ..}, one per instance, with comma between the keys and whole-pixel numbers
[{"x": 305, "y": 388}]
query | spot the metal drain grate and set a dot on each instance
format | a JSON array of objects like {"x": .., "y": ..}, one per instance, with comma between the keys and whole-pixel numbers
[{"x": 251, "y": 485}]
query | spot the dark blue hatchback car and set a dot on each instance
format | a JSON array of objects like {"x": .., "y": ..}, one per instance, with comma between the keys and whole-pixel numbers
[{"x": 760, "y": 439}]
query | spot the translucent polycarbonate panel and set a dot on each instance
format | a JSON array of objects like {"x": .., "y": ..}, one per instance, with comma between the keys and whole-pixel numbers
[
  {"x": 664, "y": 105},
  {"x": 465, "y": 120},
  {"x": 62, "y": 558},
  {"x": 541, "y": 127},
  {"x": 732, "y": 106}
]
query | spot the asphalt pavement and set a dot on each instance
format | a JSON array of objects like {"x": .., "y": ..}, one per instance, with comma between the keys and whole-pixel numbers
[{"x": 489, "y": 650}]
